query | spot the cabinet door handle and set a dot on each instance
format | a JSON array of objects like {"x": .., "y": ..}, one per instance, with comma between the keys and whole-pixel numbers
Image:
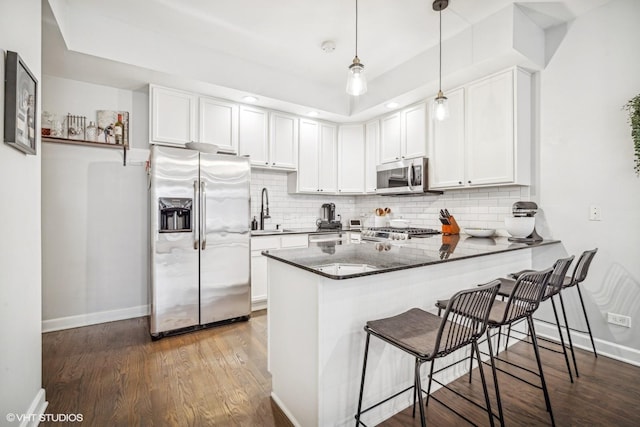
[
  {"x": 460, "y": 182},
  {"x": 469, "y": 182}
]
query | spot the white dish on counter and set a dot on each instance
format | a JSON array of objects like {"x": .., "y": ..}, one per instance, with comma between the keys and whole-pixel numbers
[
  {"x": 399, "y": 223},
  {"x": 480, "y": 232}
]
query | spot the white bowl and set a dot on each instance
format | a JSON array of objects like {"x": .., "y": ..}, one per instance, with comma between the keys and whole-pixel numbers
[
  {"x": 399, "y": 223},
  {"x": 480, "y": 232},
  {"x": 202, "y": 147},
  {"x": 519, "y": 227}
]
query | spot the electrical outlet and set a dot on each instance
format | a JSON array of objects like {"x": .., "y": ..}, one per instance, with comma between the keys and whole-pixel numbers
[
  {"x": 619, "y": 319},
  {"x": 595, "y": 214}
]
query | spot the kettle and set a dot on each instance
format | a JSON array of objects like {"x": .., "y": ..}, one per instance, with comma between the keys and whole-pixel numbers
[{"x": 328, "y": 212}]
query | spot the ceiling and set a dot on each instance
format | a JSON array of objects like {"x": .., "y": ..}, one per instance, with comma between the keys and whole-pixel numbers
[{"x": 269, "y": 49}]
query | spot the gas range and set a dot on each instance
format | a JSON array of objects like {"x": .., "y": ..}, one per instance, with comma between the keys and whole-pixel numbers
[{"x": 380, "y": 234}]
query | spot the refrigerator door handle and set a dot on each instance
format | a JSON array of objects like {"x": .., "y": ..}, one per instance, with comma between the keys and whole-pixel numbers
[
  {"x": 203, "y": 217},
  {"x": 196, "y": 244}
]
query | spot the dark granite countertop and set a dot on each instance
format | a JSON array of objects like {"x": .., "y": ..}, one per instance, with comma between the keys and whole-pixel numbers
[{"x": 366, "y": 258}]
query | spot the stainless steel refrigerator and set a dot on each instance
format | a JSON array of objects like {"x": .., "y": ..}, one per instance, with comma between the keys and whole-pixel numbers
[{"x": 200, "y": 239}]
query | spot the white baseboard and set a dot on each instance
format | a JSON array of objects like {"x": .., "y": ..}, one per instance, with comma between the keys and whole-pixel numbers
[
  {"x": 87, "y": 319},
  {"x": 37, "y": 408},
  {"x": 258, "y": 304},
  {"x": 285, "y": 410},
  {"x": 604, "y": 348}
]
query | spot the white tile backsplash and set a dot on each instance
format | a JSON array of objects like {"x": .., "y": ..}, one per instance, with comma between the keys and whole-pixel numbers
[{"x": 477, "y": 207}]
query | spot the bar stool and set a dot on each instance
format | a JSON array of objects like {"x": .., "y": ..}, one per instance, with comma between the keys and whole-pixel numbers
[
  {"x": 524, "y": 299},
  {"x": 427, "y": 337},
  {"x": 578, "y": 276},
  {"x": 556, "y": 281}
]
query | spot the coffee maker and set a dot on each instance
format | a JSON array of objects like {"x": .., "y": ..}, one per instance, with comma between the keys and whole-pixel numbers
[
  {"x": 327, "y": 220},
  {"x": 525, "y": 209}
]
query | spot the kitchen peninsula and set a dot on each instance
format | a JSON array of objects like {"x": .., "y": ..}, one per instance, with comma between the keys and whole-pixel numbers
[{"x": 320, "y": 299}]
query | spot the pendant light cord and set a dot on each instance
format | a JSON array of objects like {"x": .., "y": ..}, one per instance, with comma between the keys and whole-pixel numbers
[
  {"x": 440, "y": 72},
  {"x": 356, "y": 28}
]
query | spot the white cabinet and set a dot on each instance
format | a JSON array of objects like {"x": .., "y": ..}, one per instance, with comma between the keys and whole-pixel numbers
[
  {"x": 351, "y": 159},
  {"x": 254, "y": 135},
  {"x": 390, "y": 138},
  {"x": 414, "y": 131},
  {"x": 173, "y": 116},
  {"x": 372, "y": 144},
  {"x": 218, "y": 124},
  {"x": 270, "y": 139},
  {"x": 496, "y": 147},
  {"x": 283, "y": 141},
  {"x": 259, "y": 283},
  {"x": 447, "y": 149},
  {"x": 179, "y": 117},
  {"x": 404, "y": 134},
  {"x": 317, "y": 159}
]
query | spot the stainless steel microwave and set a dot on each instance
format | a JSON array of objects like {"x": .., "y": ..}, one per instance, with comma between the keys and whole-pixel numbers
[{"x": 404, "y": 177}]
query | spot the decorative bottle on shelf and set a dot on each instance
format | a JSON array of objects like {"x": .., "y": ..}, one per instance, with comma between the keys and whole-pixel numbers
[
  {"x": 92, "y": 132},
  {"x": 118, "y": 130}
]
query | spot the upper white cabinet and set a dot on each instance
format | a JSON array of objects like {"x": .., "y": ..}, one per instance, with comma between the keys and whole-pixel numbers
[
  {"x": 179, "y": 117},
  {"x": 390, "y": 138},
  {"x": 447, "y": 153},
  {"x": 372, "y": 144},
  {"x": 317, "y": 159},
  {"x": 404, "y": 134},
  {"x": 496, "y": 147},
  {"x": 218, "y": 124},
  {"x": 173, "y": 116},
  {"x": 254, "y": 135},
  {"x": 351, "y": 159},
  {"x": 283, "y": 141},
  {"x": 270, "y": 139}
]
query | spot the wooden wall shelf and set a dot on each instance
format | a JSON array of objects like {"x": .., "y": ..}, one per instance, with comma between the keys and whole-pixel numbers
[{"x": 57, "y": 140}]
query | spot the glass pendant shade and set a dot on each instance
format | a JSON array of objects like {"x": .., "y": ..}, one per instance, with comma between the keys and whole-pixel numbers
[
  {"x": 441, "y": 107},
  {"x": 356, "y": 80}
]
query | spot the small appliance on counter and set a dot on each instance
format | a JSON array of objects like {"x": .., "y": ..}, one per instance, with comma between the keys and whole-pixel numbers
[
  {"x": 327, "y": 221},
  {"x": 522, "y": 225}
]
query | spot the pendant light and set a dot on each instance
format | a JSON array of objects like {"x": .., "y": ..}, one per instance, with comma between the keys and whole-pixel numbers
[
  {"x": 440, "y": 105},
  {"x": 356, "y": 81}
]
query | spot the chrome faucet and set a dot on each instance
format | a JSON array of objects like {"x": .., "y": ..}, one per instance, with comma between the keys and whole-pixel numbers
[{"x": 264, "y": 215}]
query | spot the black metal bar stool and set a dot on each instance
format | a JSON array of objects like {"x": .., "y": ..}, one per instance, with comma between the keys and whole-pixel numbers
[
  {"x": 578, "y": 276},
  {"x": 554, "y": 287},
  {"x": 427, "y": 337},
  {"x": 523, "y": 300}
]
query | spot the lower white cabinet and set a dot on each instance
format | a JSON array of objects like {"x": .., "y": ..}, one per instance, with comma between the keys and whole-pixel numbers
[{"x": 259, "y": 283}]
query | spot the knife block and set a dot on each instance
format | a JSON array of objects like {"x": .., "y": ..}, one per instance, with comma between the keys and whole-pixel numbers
[{"x": 452, "y": 228}]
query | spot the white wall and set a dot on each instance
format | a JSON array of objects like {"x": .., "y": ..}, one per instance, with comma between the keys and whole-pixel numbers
[
  {"x": 587, "y": 159},
  {"x": 94, "y": 225},
  {"x": 20, "y": 278}
]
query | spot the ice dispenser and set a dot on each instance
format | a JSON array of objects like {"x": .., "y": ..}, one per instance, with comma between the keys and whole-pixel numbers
[{"x": 175, "y": 214}]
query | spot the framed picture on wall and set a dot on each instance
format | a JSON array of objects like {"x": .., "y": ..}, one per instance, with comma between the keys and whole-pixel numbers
[{"x": 20, "y": 105}]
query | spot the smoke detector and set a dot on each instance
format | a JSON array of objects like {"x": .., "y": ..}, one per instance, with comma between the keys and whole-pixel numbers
[{"x": 328, "y": 46}]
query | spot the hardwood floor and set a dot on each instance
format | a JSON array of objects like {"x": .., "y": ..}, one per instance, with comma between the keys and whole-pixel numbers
[{"x": 115, "y": 375}]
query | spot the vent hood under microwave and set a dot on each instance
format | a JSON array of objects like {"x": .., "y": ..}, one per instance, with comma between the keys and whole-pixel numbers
[{"x": 404, "y": 177}]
